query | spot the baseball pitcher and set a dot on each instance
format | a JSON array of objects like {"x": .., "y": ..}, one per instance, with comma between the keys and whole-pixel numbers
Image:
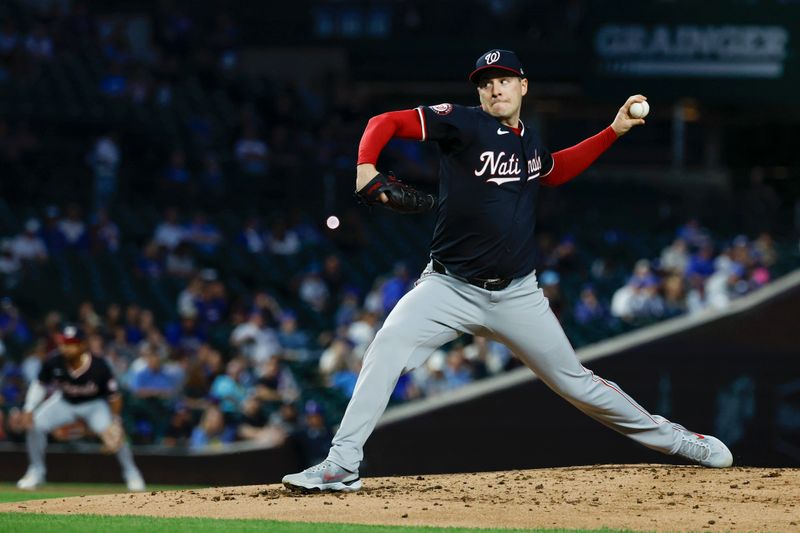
[{"x": 481, "y": 279}]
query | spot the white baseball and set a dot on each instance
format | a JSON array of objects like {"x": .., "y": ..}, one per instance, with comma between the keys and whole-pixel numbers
[{"x": 639, "y": 109}]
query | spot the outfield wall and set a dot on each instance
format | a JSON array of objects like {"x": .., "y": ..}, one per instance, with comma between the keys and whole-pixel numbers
[{"x": 735, "y": 374}]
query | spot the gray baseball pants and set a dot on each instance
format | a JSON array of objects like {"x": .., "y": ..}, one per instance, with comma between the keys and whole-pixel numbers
[
  {"x": 438, "y": 310},
  {"x": 55, "y": 412}
]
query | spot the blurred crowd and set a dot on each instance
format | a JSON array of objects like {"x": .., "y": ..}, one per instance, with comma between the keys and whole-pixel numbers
[
  {"x": 693, "y": 274},
  {"x": 174, "y": 118},
  {"x": 32, "y": 32},
  {"x": 226, "y": 369},
  {"x": 247, "y": 369}
]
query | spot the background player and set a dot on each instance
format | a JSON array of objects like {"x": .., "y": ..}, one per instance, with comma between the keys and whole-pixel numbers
[
  {"x": 481, "y": 277},
  {"x": 85, "y": 389}
]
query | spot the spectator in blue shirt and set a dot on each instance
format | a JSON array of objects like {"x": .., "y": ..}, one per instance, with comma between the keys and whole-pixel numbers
[
  {"x": 51, "y": 234},
  {"x": 203, "y": 234},
  {"x": 395, "y": 287},
  {"x": 251, "y": 237},
  {"x": 457, "y": 372},
  {"x": 154, "y": 390},
  {"x": 642, "y": 273},
  {"x": 212, "y": 432},
  {"x": 153, "y": 381},
  {"x": 115, "y": 82},
  {"x": 344, "y": 379},
  {"x": 349, "y": 308},
  {"x": 702, "y": 262},
  {"x": 693, "y": 233},
  {"x": 186, "y": 335},
  {"x": 133, "y": 333},
  {"x": 212, "y": 306},
  {"x": 12, "y": 325},
  {"x": 150, "y": 263},
  {"x": 404, "y": 390},
  {"x": 289, "y": 336},
  {"x": 73, "y": 229},
  {"x": 12, "y": 385},
  {"x": 229, "y": 389},
  {"x": 589, "y": 309}
]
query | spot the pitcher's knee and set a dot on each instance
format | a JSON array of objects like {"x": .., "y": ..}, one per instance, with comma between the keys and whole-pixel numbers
[{"x": 573, "y": 388}]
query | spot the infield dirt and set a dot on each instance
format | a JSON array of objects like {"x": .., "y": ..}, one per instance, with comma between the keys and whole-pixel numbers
[{"x": 638, "y": 497}]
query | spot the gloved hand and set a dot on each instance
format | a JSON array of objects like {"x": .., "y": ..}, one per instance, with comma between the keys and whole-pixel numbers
[{"x": 401, "y": 197}]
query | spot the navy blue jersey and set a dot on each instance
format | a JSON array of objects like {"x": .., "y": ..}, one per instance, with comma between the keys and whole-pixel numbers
[
  {"x": 90, "y": 381},
  {"x": 488, "y": 180}
]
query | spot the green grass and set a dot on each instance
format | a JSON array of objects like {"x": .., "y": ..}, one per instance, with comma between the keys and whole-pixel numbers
[
  {"x": 10, "y": 493},
  {"x": 13, "y": 522}
]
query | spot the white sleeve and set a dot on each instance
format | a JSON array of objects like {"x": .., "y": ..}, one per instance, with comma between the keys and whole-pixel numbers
[{"x": 35, "y": 395}]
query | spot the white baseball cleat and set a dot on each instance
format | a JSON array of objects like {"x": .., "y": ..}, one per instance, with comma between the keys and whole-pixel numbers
[
  {"x": 706, "y": 450},
  {"x": 32, "y": 480},
  {"x": 326, "y": 476},
  {"x": 134, "y": 481}
]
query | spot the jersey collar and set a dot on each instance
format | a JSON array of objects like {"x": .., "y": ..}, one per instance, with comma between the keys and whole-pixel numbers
[
  {"x": 509, "y": 128},
  {"x": 86, "y": 362},
  {"x": 521, "y": 133}
]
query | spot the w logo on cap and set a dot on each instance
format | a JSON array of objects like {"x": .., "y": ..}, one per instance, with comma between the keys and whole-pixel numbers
[{"x": 496, "y": 59}]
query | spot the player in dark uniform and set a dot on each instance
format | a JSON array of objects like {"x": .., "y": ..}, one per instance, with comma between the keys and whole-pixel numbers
[
  {"x": 84, "y": 389},
  {"x": 481, "y": 277}
]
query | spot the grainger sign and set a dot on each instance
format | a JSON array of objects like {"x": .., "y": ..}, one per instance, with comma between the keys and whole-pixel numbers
[{"x": 689, "y": 50}]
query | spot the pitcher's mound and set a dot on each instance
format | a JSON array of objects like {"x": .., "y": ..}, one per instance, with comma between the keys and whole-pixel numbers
[{"x": 638, "y": 497}]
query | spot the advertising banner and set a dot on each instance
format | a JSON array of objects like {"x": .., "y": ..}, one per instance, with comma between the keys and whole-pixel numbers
[{"x": 738, "y": 54}]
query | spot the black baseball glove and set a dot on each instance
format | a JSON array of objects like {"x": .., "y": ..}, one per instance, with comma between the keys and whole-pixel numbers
[{"x": 402, "y": 198}]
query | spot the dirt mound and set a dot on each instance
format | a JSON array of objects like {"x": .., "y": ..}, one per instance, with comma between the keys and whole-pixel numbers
[{"x": 639, "y": 497}]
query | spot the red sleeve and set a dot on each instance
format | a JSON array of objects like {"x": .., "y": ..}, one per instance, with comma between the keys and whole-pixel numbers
[
  {"x": 571, "y": 161},
  {"x": 380, "y": 129}
]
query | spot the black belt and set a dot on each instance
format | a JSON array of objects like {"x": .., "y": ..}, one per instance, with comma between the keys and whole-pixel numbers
[{"x": 488, "y": 284}]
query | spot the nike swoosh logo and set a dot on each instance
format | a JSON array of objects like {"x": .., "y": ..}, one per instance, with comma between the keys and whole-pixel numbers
[
  {"x": 533, "y": 176},
  {"x": 501, "y": 181},
  {"x": 501, "y": 132}
]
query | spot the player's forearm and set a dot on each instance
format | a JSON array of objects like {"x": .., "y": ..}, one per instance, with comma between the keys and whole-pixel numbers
[
  {"x": 34, "y": 396},
  {"x": 570, "y": 162},
  {"x": 115, "y": 402}
]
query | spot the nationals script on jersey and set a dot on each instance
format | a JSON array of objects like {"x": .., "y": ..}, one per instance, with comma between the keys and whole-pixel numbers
[
  {"x": 93, "y": 379},
  {"x": 502, "y": 165},
  {"x": 487, "y": 191}
]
